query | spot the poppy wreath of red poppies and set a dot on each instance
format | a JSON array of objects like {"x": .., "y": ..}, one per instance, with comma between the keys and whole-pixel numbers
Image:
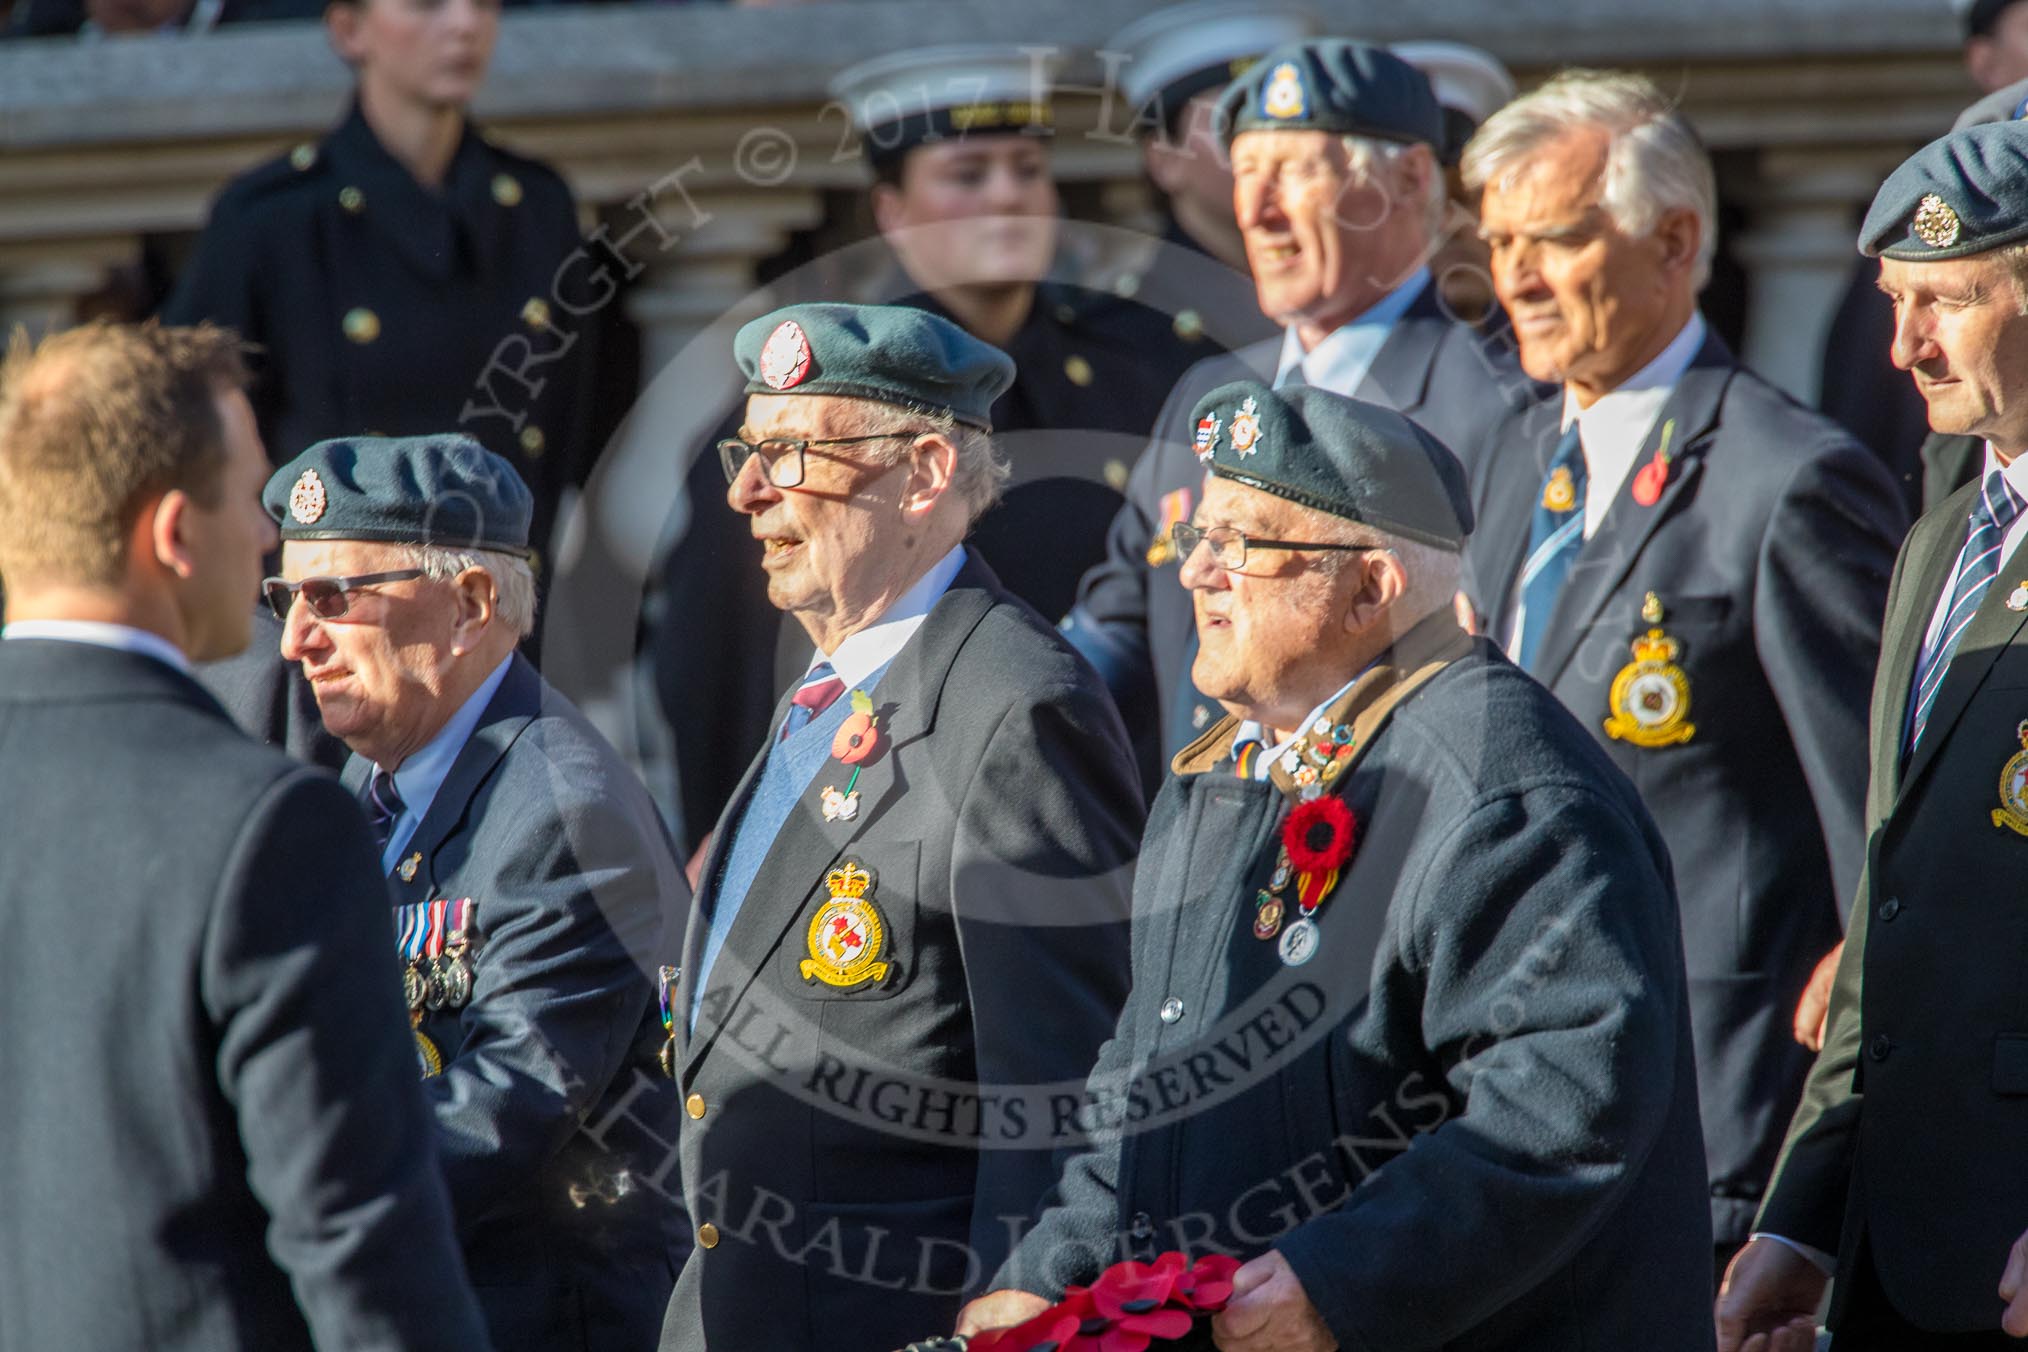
[
  {"x": 1130, "y": 1306},
  {"x": 1318, "y": 835}
]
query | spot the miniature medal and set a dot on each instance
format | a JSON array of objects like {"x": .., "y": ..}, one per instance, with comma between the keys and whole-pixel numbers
[
  {"x": 665, "y": 990},
  {"x": 1298, "y": 943},
  {"x": 2013, "y": 810},
  {"x": 1650, "y": 697}
]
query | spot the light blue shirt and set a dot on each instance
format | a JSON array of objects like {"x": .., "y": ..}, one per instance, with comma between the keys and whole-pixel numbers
[
  {"x": 422, "y": 774},
  {"x": 1250, "y": 731},
  {"x": 125, "y": 638},
  {"x": 1341, "y": 361}
]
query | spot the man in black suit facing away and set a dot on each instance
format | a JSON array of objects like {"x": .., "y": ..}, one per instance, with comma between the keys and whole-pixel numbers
[{"x": 214, "y": 1138}]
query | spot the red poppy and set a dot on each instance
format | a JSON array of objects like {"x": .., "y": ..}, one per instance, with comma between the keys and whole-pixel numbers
[
  {"x": 1207, "y": 1286},
  {"x": 1318, "y": 835},
  {"x": 1650, "y": 480},
  {"x": 858, "y": 739},
  {"x": 1136, "y": 1288},
  {"x": 1049, "y": 1331}
]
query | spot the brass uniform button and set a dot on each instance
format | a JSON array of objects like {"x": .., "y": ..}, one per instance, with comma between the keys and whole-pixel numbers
[
  {"x": 535, "y": 313},
  {"x": 1189, "y": 325},
  {"x": 506, "y": 190},
  {"x": 352, "y": 200},
  {"x": 532, "y": 440},
  {"x": 1128, "y": 285},
  {"x": 1116, "y": 475},
  {"x": 707, "y": 1236},
  {"x": 361, "y": 325},
  {"x": 303, "y": 156},
  {"x": 1078, "y": 369},
  {"x": 1066, "y": 314},
  {"x": 694, "y": 1105}
]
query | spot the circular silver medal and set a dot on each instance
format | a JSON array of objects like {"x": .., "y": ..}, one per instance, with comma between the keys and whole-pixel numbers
[
  {"x": 1298, "y": 943},
  {"x": 457, "y": 982},
  {"x": 412, "y": 987}
]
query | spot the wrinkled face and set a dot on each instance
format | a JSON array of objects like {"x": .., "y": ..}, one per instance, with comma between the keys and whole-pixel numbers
[
  {"x": 981, "y": 211},
  {"x": 1999, "y": 58},
  {"x": 229, "y": 540},
  {"x": 1272, "y": 640},
  {"x": 1585, "y": 297},
  {"x": 1959, "y": 331},
  {"x": 379, "y": 671},
  {"x": 1323, "y": 241},
  {"x": 432, "y": 52},
  {"x": 837, "y": 539}
]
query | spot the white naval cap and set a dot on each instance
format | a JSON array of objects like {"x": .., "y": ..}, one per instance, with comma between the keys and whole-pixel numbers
[
  {"x": 904, "y": 99},
  {"x": 1181, "y": 51},
  {"x": 1471, "y": 85}
]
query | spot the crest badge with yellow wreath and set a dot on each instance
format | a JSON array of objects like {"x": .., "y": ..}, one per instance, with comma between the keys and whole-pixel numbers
[
  {"x": 847, "y": 937},
  {"x": 2013, "y": 810},
  {"x": 1650, "y": 697}
]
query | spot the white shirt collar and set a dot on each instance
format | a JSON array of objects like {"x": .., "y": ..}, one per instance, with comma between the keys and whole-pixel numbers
[
  {"x": 423, "y": 773},
  {"x": 1616, "y": 426},
  {"x": 99, "y": 634},
  {"x": 1250, "y": 731},
  {"x": 873, "y": 647},
  {"x": 2015, "y": 474},
  {"x": 1341, "y": 361}
]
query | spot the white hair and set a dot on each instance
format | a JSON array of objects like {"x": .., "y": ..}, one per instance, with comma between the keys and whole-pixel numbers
[
  {"x": 1432, "y": 571},
  {"x": 513, "y": 579},
  {"x": 1656, "y": 162},
  {"x": 981, "y": 470},
  {"x": 1362, "y": 153}
]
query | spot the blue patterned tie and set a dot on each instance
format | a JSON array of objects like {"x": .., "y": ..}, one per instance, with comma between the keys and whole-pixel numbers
[
  {"x": 812, "y": 697},
  {"x": 1554, "y": 538},
  {"x": 382, "y": 805},
  {"x": 1978, "y": 564}
]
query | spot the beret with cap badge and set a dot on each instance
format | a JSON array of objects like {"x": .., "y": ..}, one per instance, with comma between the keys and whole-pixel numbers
[{"x": 1959, "y": 195}]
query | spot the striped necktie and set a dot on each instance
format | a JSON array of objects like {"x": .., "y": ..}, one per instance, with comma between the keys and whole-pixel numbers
[
  {"x": 383, "y": 804},
  {"x": 1993, "y": 511},
  {"x": 1555, "y": 536},
  {"x": 819, "y": 688}
]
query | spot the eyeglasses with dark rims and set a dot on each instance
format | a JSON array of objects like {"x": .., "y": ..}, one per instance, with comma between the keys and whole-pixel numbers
[{"x": 327, "y": 597}]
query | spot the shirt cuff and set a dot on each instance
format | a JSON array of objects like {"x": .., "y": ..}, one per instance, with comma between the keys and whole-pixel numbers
[{"x": 1824, "y": 1261}]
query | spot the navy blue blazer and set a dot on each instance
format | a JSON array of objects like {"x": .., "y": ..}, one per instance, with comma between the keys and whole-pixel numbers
[
  {"x": 556, "y": 1125},
  {"x": 1769, "y": 551},
  {"x": 213, "y": 1139}
]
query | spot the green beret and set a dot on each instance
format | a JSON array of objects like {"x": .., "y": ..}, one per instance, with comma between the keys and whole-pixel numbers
[
  {"x": 1342, "y": 456},
  {"x": 1333, "y": 85},
  {"x": 1962, "y": 194},
  {"x": 436, "y": 490},
  {"x": 892, "y": 354}
]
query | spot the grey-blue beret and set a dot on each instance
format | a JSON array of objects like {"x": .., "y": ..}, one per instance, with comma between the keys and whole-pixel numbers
[
  {"x": 893, "y": 354},
  {"x": 445, "y": 490},
  {"x": 1330, "y": 84},
  {"x": 1961, "y": 194}
]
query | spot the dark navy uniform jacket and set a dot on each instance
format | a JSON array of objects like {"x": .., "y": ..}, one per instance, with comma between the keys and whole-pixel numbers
[
  {"x": 1469, "y": 1120},
  {"x": 384, "y": 307},
  {"x": 1768, "y": 551},
  {"x": 857, "y": 1158},
  {"x": 1901, "y": 1159},
  {"x": 213, "y": 1140},
  {"x": 554, "y": 1121},
  {"x": 1133, "y": 619}
]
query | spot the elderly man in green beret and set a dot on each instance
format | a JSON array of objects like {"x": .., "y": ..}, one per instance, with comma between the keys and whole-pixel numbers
[
  {"x": 1407, "y": 1031},
  {"x": 528, "y": 871},
  {"x": 909, "y": 927}
]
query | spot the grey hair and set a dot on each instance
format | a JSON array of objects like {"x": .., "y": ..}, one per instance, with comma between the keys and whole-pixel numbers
[
  {"x": 982, "y": 470},
  {"x": 1362, "y": 153},
  {"x": 1656, "y": 162},
  {"x": 1432, "y": 572},
  {"x": 513, "y": 579}
]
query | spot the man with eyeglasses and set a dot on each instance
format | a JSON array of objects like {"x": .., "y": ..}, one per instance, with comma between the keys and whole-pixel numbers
[
  {"x": 1407, "y": 1031},
  {"x": 908, "y": 938},
  {"x": 528, "y": 872}
]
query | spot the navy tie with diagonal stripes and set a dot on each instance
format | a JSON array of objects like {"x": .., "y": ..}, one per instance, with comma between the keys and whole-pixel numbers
[
  {"x": 812, "y": 697},
  {"x": 383, "y": 804},
  {"x": 1993, "y": 511}
]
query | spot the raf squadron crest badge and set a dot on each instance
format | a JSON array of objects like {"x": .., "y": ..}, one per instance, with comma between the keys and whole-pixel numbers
[
  {"x": 1282, "y": 96},
  {"x": 307, "y": 499},
  {"x": 1650, "y": 697},
  {"x": 848, "y": 937},
  {"x": 2013, "y": 810},
  {"x": 1559, "y": 494}
]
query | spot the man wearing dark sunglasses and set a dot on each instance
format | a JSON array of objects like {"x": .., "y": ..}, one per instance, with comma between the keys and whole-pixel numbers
[{"x": 528, "y": 870}]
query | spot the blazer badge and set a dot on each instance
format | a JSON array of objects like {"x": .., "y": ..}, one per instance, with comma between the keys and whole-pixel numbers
[
  {"x": 1650, "y": 698},
  {"x": 848, "y": 937},
  {"x": 2013, "y": 810}
]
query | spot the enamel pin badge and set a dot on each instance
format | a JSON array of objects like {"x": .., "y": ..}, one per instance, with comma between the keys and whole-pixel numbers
[
  {"x": 847, "y": 939},
  {"x": 1650, "y": 697}
]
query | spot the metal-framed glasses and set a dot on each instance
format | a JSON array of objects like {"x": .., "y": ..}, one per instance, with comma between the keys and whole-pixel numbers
[
  {"x": 1229, "y": 546},
  {"x": 327, "y": 597},
  {"x": 782, "y": 461}
]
